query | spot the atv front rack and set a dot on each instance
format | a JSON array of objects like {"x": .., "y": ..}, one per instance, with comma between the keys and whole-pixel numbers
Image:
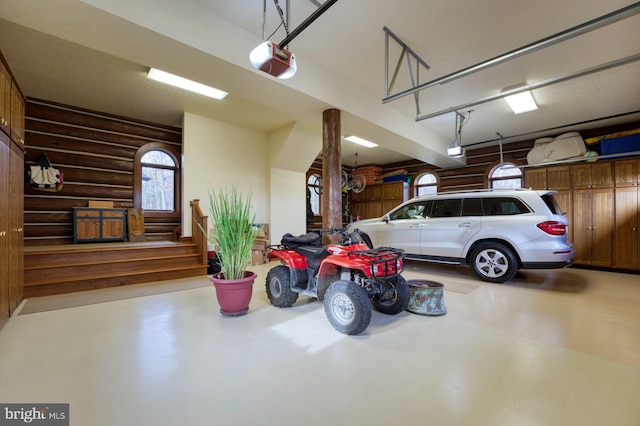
[{"x": 383, "y": 261}]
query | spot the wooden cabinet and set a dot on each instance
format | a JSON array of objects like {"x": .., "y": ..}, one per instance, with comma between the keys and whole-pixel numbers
[
  {"x": 593, "y": 210},
  {"x": 594, "y": 175},
  {"x": 99, "y": 225},
  {"x": 592, "y": 226},
  {"x": 626, "y": 248},
  {"x": 557, "y": 178},
  {"x": 11, "y": 195},
  {"x": 602, "y": 201},
  {"x": 377, "y": 199}
]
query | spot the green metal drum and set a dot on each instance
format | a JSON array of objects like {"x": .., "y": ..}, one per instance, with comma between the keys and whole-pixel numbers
[{"x": 426, "y": 298}]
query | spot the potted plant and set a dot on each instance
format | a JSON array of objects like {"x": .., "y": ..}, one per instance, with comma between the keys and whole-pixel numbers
[{"x": 234, "y": 237}]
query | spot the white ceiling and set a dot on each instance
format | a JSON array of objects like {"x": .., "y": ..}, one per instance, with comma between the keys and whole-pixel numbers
[{"x": 94, "y": 54}]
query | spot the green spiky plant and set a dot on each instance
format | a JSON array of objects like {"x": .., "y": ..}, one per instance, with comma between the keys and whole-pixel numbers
[{"x": 232, "y": 221}]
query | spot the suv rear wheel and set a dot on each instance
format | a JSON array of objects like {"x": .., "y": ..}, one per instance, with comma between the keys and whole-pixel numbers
[{"x": 493, "y": 262}]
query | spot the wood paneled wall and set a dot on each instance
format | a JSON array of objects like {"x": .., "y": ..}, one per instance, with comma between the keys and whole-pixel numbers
[{"x": 95, "y": 151}]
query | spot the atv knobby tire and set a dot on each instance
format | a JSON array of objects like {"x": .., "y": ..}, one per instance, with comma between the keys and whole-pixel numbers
[
  {"x": 396, "y": 300},
  {"x": 279, "y": 287},
  {"x": 348, "y": 307}
]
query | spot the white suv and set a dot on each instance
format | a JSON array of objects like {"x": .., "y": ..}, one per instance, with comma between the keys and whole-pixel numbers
[{"x": 496, "y": 232}]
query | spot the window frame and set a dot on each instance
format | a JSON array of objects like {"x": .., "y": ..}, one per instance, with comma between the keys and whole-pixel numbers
[
  {"x": 421, "y": 173},
  {"x": 316, "y": 217},
  {"x": 488, "y": 180},
  {"x": 137, "y": 180}
]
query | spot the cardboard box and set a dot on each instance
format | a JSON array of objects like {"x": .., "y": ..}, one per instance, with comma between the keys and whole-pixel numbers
[
  {"x": 258, "y": 257},
  {"x": 100, "y": 204},
  {"x": 260, "y": 244},
  {"x": 259, "y": 251}
]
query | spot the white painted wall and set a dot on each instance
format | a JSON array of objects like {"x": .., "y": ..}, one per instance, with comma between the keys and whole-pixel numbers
[
  {"x": 288, "y": 204},
  {"x": 217, "y": 155},
  {"x": 292, "y": 150}
]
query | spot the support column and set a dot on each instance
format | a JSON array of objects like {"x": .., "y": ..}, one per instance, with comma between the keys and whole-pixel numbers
[{"x": 331, "y": 200}]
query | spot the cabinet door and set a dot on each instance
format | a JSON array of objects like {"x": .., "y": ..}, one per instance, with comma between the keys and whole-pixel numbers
[
  {"x": 5, "y": 153},
  {"x": 626, "y": 244},
  {"x": 5, "y": 99},
  {"x": 582, "y": 226},
  {"x": 559, "y": 178},
  {"x": 626, "y": 173},
  {"x": 602, "y": 227},
  {"x": 391, "y": 191},
  {"x": 373, "y": 193},
  {"x": 535, "y": 178},
  {"x": 373, "y": 209},
  {"x": 16, "y": 227},
  {"x": 113, "y": 228},
  {"x": 87, "y": 229},
  {"x": 602, "y": 175},
  {"x": 581, "y": 176},
  {"x": 17, "y": 115}
]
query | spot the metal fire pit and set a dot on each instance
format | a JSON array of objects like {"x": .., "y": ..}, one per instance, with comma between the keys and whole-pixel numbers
[{"x": 426, "y": 298}]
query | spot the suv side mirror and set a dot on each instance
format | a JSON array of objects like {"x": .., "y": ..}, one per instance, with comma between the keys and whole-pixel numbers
[{"x": 385, "y": 218}]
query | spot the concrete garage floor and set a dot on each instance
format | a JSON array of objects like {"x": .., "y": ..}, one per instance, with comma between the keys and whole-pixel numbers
[{"x": 549, "y": 348}]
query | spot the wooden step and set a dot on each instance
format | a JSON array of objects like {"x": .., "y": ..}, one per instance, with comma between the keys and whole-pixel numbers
[{"x": 69, "y": 268}]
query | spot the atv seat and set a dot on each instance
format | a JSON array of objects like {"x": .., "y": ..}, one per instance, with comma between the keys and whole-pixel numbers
[
  {"x": 312, "y": 252},
  {"x": 314, "y": 255}
]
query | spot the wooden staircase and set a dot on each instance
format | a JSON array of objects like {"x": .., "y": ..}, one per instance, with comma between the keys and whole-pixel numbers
[
  {"x": 75, "y": 267},
  {"x": 65, "y": 269}
]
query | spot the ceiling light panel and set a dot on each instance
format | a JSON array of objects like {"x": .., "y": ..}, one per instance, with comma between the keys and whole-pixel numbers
[
  {"x": 522, "y": 102},
  {"x": 183, "y": 83},
  {"x": 360, "y": 141}
]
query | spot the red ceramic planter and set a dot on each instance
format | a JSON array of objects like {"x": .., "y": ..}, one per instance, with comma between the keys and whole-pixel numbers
[{"x": 234, "y": 295}]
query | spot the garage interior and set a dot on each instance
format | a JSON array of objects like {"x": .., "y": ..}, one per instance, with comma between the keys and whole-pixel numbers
[{"x": 550, "y": 347}]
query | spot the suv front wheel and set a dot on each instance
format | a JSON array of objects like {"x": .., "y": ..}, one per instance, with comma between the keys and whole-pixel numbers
[{"x": 493, "y": 262}]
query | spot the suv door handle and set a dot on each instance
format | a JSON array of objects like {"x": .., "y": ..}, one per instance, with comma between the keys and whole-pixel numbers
[
  {"x": 464, "y": 225},
  {"x": 414, "y": 226}
]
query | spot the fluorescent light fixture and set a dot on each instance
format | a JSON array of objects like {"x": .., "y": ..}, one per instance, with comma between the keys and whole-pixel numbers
[
  {"x": 183, "y": 83},
  {"x": 361, "y": 141},
  {"x": 522, "y": 102},
  {"x": 274, "y": 60}
]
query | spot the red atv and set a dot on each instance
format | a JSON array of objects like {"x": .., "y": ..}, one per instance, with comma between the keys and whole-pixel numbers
[{"x": 348, "y": 277}]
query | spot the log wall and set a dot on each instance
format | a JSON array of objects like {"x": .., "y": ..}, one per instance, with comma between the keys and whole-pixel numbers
[{"x": 95, "y": 152}]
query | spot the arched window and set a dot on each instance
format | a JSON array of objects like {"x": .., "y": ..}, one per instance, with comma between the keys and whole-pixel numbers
[
  {"x": 157, "y": 180},
  {"x": 505, "y": 176},
  {"x": 426, "y": 182},
  {"x": 314, "y": 184}
]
